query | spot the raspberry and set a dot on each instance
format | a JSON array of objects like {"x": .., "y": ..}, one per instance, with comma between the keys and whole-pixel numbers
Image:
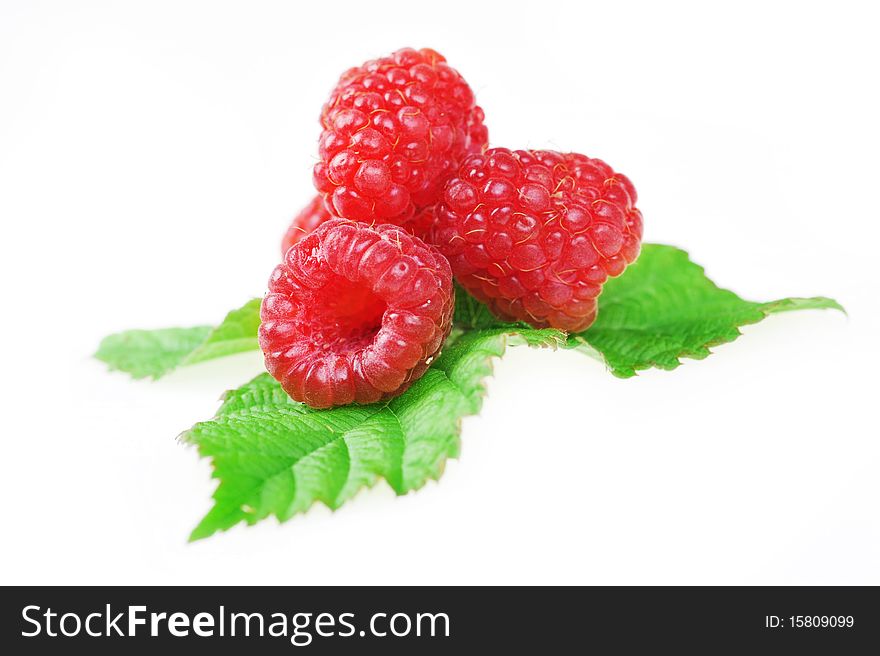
[
  {"x": 355, "y": 313},
  {"x": 535, "y": 234},
  {"x": 311, "y": 216},
  {"x": 394, "y": 130},
  {"x": 316, "y": 213}
]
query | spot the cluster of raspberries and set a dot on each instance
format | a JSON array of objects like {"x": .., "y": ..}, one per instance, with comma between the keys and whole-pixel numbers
[{"x": 410, "y": 195}]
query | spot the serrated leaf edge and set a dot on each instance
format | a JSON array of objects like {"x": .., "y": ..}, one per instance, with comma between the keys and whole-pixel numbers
[
  {"x": 703, "y": 351},
  {"x": 433, "y": 475}
]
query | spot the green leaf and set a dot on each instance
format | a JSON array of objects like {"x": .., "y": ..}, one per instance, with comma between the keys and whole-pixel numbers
[
  {"x": 664, "y": 308},
  {"x": 470, "y": 314},
  {"x": 237, "y": 333},
  {"x": 154, "y": 353},
  {"x": 144, "y": 353},
  {"x": 275, "y": 457}
]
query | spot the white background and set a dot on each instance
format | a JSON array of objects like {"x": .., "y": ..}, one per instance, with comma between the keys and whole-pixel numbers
[{"x": 152, "y": 153}]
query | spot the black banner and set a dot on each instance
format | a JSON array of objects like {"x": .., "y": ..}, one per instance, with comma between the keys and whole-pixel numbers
[{"x": 408, "y": 620}]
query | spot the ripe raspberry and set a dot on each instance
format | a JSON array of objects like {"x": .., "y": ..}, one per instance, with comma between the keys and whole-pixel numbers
[
  {"x": 316, "y": 213},
  {"x": 355, "y": 313},
  {"x": 311, "y": 216},
  {"x": 394, "y": 130},
  {"x": 535, "y": 234}
]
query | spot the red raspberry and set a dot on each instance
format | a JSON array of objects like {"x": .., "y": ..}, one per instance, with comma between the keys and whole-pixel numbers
[
  {"x": 535, "y": 234},
  {"x": 315, "y": 213},
  {"x": 311, "y": 216},
  {"x": 355, "y": 313},
  {"x": 394, "y": 130}
]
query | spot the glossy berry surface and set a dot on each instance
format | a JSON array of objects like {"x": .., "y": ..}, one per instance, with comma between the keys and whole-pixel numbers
[
  {"x": 355, "y": 313},
  {"x": 394, "y": 130},
  {"x": 535, "y": 234},
  {"x": 316, "y": 213},
  {"x": 311, "y": 216}
]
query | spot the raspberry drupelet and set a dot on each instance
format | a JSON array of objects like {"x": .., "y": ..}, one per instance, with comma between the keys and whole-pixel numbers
[
  {"x": 394, "y": 130},
  {"x": 355, "y": 313},
  {"x": 535, "y": 234},
  {"x": 309, "y": 218},
  {"x": 316, "y": 213}
]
